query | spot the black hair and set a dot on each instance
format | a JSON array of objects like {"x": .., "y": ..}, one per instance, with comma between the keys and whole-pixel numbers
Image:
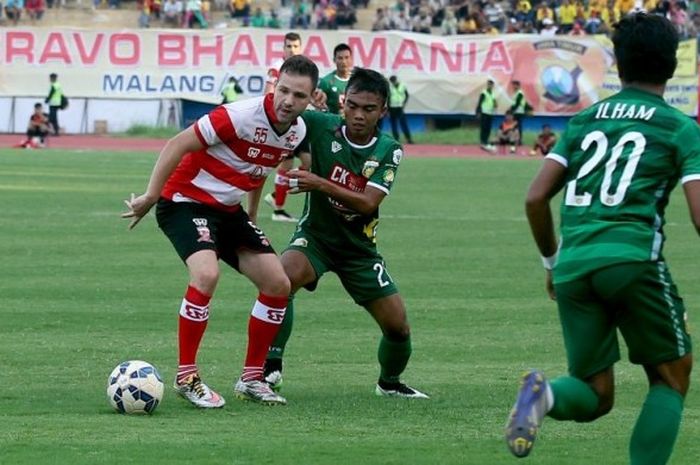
[
  {"x": 38, "y": 105},
  {"x": 367, "y": 80},
  {"x": 340, "y": 48},
  {"x": 302, "y": 66},
  {"x": 53, "y": 76},
  {"x": 645, "y": 48},
  {"x": 292, "y": 37}
]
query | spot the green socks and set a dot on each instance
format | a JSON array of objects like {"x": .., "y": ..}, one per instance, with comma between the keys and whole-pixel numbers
[
  {"x": 277, "y": 348},
  {"x": 573, "y": 399},
  {"x": 657, "y": 427},
  {"x": 393, "y": 357}
]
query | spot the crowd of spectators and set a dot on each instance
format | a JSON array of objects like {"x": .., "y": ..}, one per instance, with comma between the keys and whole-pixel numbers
[
  {"x": 15, "y": 9},
  {"x": 545, "y": 17},
  {"x": 445, "y": 17}
]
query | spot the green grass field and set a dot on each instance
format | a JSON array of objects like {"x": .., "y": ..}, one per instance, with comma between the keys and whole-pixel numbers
[{"x": 80, "y": 293}]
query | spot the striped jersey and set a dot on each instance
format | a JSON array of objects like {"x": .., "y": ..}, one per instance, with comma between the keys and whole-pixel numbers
[
  {"x": 242, "y": 148},
  {"x": 623, "y": 157},
  {"x": 333, "y": 157}
]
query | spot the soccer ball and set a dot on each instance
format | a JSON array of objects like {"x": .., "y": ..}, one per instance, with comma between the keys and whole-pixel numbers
[{"x": 134, "y": 387}]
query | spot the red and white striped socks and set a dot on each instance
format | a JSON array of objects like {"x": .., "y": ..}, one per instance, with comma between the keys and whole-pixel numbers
[
  {"x": 194, "y": 315},
  {"x": 263, "y": 325}
]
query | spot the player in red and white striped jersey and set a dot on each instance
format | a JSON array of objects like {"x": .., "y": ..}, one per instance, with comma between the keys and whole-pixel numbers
[{"x": 198, "y": 183}]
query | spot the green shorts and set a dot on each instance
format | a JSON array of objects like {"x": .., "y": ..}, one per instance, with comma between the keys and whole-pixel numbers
[
  {"x": 639, "y": 299},
  {"x": 364, "y": 277}
]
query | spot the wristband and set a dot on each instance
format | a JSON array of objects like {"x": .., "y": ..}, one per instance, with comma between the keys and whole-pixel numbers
[
  {"x": 549, "y": 262},
  {"x": 293, "y": 183}
]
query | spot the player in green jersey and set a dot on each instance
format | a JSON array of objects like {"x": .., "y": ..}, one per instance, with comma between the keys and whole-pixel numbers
[
  {"x": 617, "y": 162},
  {"x": 353, "y": 168},
  {"x": 333, "y": 84}
]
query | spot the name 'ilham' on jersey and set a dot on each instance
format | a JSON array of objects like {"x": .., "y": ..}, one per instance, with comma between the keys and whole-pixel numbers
[{"x": 242, "y": 149}]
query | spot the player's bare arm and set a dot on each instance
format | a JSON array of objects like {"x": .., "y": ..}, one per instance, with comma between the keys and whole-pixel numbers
[
  {"x": 692, "y": 196},
  {"x": 176, "y": 148},
  {"x": 539, "y": 213},
  {"x": 365, "y": 202},
  {"x": 253, "y": 203}
]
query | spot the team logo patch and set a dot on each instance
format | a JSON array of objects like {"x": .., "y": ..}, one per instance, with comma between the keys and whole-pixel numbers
[
  {"x": 253, "y": 152},
  {"x": 300, "y": 242},
  {"x": 369, "y": 167},
  {"x": 336, "y": 147},
  {"x": 203, "y": 230},
  {"x": 398, "y": 153},
  {"x": 389, "y": 176}
]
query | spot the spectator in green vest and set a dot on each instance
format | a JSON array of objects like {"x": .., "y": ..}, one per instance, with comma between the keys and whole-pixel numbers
[
  {"x": 484, "y": 111},
  {"x": 231, "y": 91},
  {"x": 398, "y": 97},
  {"x": 520, "y": 107},
  {"x": 54, "y": 100}
]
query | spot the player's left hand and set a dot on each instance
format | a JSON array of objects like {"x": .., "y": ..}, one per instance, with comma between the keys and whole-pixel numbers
[{"x": 303, "y": 181}]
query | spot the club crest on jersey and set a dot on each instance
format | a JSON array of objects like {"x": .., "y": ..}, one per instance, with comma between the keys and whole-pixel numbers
[
  {"x": 202, "y": 230},
  {"x": 398, "y": 153},
  {"x": 369, "y": 167},
  {"x": 336, "y": 147},
  {"x": 389, "y": 176},
  {"x": 290, "y": 140}
]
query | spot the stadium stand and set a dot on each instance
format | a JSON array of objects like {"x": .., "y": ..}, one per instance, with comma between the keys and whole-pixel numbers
[{"x": 440, "y": 17}]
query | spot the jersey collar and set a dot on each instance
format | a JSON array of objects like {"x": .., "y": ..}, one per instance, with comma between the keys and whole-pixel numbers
[{"x": 356, "y": 146}]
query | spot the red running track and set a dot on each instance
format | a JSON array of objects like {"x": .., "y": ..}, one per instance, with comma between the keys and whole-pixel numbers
[{"x": 111, "y": 143}]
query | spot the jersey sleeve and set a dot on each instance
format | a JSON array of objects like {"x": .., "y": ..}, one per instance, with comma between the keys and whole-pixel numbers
[
  {"x": 562, "y": 150},
  {"x": 689, "y": 152},
  {"x": 215, "y": 127},
  {"x": 384, "y": 174}
]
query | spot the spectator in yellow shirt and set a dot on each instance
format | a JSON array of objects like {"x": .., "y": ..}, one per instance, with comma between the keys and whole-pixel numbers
[
  {"x": 523, "y": 11},
  {"x": 610, "y": 14},
  {"x": 567, "y": 16},
  {"x": 543, "y": 12},
  {"x": 624, "y": 6}
]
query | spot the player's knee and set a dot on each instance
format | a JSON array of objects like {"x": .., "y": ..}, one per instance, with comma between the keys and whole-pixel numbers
[
  {"x": 205, "y": 280},
  {"x": 398, "y": 332},
  {"x": 277, "y": 285}
]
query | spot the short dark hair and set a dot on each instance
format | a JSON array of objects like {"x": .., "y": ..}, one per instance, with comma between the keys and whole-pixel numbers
[
  {"x": 516, "y": 82},
  {"x": 645, "y": 48},
  {"x": 302, "y": 66},
  {"x": 292, "y": 37},
  {"x": 53, "y": 76},
  {"x": 38, "y": 105},
  {"x": 340, "y": 48},
  {"x": 368, "y": 80}
]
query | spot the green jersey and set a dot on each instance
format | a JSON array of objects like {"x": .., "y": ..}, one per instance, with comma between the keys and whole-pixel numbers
[
  {"x": 353, "y": 167},
  {"x": 334, "y": 88},
  {"x": 623, "y": 157}
]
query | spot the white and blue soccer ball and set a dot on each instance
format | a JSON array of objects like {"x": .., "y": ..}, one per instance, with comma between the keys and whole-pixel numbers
[{"x": 135, "y": 386}]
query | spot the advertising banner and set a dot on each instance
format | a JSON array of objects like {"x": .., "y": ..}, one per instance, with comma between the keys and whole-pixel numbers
[{"x": 444, "y": 75}]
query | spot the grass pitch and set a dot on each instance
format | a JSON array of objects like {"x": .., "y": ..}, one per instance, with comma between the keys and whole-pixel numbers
[{"x": 80, "y": 294}]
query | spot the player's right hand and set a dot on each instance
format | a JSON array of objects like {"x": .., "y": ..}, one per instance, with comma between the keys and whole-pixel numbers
[
  {"x": 549, "y": 285},
  {"x": 138, "y": 208}
]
